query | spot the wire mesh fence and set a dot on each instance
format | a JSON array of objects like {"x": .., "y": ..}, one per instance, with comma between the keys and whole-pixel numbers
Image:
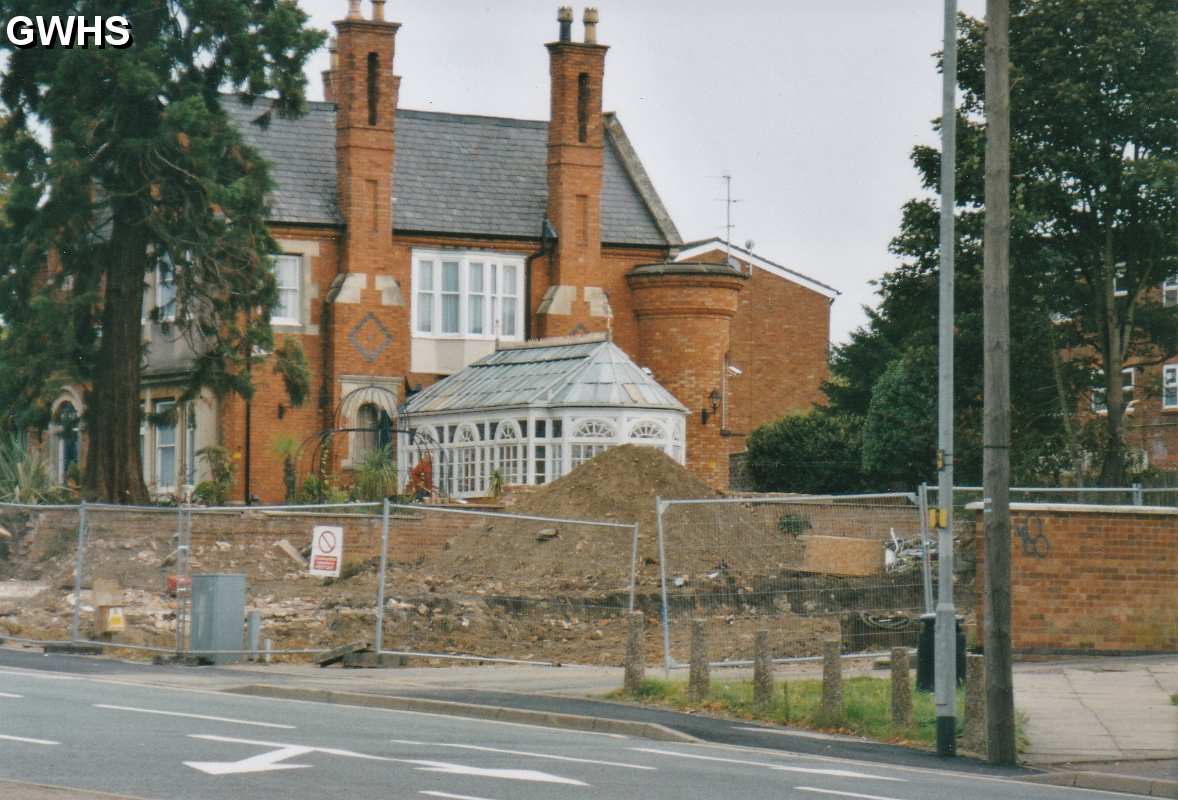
[
  {"x": 807, "y": 569},
  {"x": 491, "y": 585},
  {"x": 412, "y": 579}
]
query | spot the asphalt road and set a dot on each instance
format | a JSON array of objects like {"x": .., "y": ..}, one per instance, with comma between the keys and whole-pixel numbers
[{"x": 89, "y": 732}]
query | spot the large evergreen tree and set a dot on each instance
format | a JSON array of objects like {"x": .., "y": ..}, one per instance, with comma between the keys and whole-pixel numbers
[{"x": 122, "y": 162}]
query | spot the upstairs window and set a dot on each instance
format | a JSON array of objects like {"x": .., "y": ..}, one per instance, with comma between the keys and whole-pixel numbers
[
  {"x": 1170, "y": 386},
  {"x": 288, "y": 276},
  {"x": 165, "y": 291},
  {"x": 1170, "y": 291},
  {"x": 1099, "y": 401},
  {"x": 467, "y": 295}
]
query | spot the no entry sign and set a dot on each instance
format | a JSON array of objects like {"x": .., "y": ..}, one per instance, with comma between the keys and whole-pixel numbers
[{"x": 327, "y": 550}]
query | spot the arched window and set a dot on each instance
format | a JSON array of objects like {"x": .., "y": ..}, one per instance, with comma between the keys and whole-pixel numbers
[
  {"x": 466, "y": 461},
  {"x": 509, "y": 453},
  {"x": 66, "y": 440},
  {"x": 366, "y": 435},
  {"x": 647, "y": 432},
  {"x": 599, "y": 436}
]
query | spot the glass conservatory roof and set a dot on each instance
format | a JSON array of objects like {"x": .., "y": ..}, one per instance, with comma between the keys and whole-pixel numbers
[{"x": 576, "y": 371}]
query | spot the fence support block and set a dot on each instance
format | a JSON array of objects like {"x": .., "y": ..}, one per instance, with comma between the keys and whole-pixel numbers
[{"x": 832, "y": 682}]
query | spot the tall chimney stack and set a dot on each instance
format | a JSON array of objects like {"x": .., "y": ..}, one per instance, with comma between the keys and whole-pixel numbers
[{"x": 591, "y": 25}]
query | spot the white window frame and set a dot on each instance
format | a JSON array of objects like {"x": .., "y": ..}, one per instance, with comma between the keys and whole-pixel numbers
[
  {"x": 277, "y": 317},
  {"x": 165, "y": 293},
  {"x": 427, "y": 324},
  {"x": 1170, "y": 381},
  {"x": 591, "y": 437},
  {"x": 190, "y": 444},
  {"x": 1128, "y": 385},
  {"x": 1170, "y": 291},
  {"x": 160, "y": 484}
]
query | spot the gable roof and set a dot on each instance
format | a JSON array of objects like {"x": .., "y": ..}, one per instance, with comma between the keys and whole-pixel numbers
[
  {"x": 578, "y": 371},
  {"x": 453, "y": 173},
  {"x": 693, "y": 250}
]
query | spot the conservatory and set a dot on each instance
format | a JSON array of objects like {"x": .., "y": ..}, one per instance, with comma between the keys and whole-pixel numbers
[{"x": 530, "y": 412}]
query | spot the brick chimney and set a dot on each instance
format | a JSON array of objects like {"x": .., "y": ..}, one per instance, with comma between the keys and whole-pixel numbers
[
  {"x": 365, "y": 90},
  {"x": 363, "y": 308},
  {"x": 574, "y": 301},
  {"x": 329, "y": 73}
]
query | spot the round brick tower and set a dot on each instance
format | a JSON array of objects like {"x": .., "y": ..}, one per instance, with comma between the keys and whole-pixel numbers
[{"x": 684, "y": 312}]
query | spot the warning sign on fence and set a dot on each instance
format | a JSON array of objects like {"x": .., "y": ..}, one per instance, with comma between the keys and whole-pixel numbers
[{"x": 327, "y": 550}]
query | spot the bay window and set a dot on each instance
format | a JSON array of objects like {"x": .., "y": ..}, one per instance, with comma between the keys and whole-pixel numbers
[{"x": 474, "y": 295}]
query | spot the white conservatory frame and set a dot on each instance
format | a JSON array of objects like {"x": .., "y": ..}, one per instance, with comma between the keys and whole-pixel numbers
[{"x": 529, "y": 446}]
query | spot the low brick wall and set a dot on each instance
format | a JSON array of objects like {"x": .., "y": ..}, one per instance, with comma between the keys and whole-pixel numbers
[
  {"x": 1089, "y": 579},
  {"x": 412, "y": 534}
]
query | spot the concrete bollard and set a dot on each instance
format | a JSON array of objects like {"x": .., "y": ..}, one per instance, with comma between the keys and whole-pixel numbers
[
  {"x": 635, "y": 665},
  {"x": 698, "y": 682},
  {"x": 901, "y": 689},
  {"x": 762, "y": 672},
  {"x": 974, "y": 736},
  {"x": 786, "y": 711},
  {"x": 832, "y": 682}
]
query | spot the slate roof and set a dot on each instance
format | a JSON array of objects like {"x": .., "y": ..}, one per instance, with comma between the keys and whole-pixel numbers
[
  {"x": 580, "y": 372},
  {"x": 454, "y": 173}
]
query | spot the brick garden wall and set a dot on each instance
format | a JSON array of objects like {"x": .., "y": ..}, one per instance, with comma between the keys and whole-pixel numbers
[{"x": 1090, "y": 579}]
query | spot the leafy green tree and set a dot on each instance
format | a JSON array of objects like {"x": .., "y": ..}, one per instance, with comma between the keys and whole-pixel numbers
[
  {"x": 1094, "y": 150},
  {"x": 815, "y": 453},
  {"x": 123, "y": 162}
]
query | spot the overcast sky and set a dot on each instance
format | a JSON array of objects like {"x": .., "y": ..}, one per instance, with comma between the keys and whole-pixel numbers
[{"x": 812, "y": 107}]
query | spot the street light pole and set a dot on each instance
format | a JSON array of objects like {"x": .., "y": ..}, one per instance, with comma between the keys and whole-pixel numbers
[{"x": 945, "y": 650}]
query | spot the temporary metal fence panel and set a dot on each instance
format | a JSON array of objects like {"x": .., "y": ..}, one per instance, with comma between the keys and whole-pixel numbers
[
  {"x": 807, "y": 569},
  {"x": 493, "y": 586}
]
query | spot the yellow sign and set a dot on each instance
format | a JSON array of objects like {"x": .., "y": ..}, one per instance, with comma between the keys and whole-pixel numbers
[{"x": 115, "y": 622}]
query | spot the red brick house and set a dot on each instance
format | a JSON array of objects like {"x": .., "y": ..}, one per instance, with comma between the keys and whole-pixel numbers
[{"x": 414, "y": 244}]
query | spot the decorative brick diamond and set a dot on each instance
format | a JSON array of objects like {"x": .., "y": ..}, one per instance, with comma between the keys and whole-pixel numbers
[{"x": 370, "y": 337}]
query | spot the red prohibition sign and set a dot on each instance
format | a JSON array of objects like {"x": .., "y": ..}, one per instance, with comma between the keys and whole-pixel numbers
[{"x": 327, "y": 542}]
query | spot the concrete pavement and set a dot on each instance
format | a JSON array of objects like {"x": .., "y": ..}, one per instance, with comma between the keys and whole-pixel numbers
[{"x": 1108, "y": 709}]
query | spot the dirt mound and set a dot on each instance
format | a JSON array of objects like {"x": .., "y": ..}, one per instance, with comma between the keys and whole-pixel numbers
[{"x": 620, "y": 485}]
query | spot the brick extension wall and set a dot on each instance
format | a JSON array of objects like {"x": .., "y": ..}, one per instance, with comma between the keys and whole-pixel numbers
[{"x": 1090, "y": 579}]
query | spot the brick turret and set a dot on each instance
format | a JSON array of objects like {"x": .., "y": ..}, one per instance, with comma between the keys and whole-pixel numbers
[
  {"x": 684, "y": 312},
  {"x": 575, "y": 302}
]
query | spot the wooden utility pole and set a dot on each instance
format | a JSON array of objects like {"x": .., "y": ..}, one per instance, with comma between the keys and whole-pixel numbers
[{"x": 996, "y": 429}]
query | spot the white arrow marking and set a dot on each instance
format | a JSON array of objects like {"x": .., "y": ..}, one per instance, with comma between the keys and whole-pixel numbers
[
  {"x": 12, "y": 696},
  {"x": 266, "y": 762},
  {"x": 842, "y": 794},
  {"x": 194, "y": 716},
  {"x": 505, "y": 774},
  {"x": 524, "y": 753},
  {"x": 452, "y": 796},
  {"x": 838, "y": 773},
  {"x": 30, "y": 741}
]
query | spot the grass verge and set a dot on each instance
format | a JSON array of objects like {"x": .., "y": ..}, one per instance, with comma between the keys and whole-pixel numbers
[{"x": 867, "y": 707}]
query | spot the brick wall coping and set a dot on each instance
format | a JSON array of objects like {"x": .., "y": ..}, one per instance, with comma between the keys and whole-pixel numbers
[{"x": 1084, "y": 508}]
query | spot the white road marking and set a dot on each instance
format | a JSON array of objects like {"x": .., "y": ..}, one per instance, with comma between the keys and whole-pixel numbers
[
  {"x": 481, "y": 772},
  {"x": 36, "y": 673},
  {"x": 24, "y": 739},
  {"x": 453, "y": 796},
  {"x": 828, "y": 737},
  {"x": 524, "y": 753},
  {"x": 194, "y": 716},
  {"x": 843, "y": 794},
  {"x": 11, "y": 696},
  {"x": 268, "y": 761},
  {"x": 838, "y": 773}
]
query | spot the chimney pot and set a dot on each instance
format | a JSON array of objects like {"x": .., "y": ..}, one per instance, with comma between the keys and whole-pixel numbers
[
  {"x": 591, "y": 18},
  {"x": 378, "y": 10},
  {"x": 354, "y": 9},
  {"x": 565, "y": 18},
  {"x": 333, "y": 50}
]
